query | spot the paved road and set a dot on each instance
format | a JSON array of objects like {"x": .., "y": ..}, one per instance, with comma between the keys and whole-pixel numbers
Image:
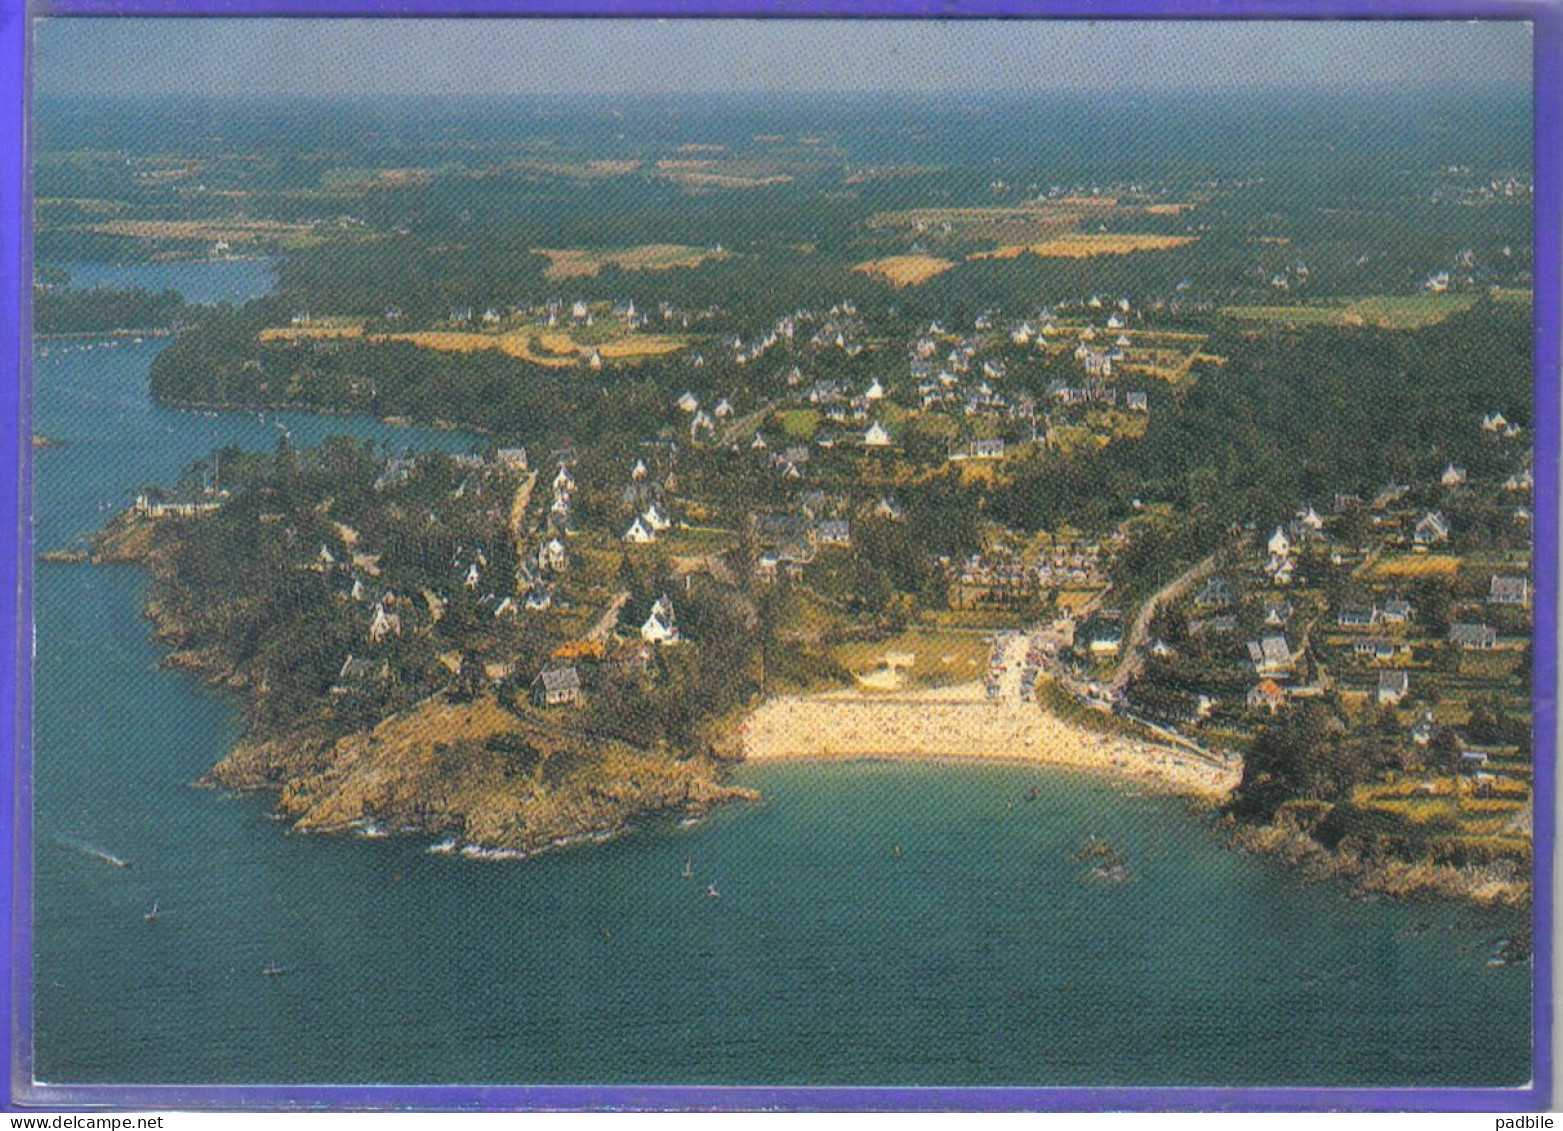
[
  {"x": 610, "y": 617},
  {"x": 518, "y": 505},
  {"x": 1134, "y": 643},
  {"x": 1012, "y": 648}
]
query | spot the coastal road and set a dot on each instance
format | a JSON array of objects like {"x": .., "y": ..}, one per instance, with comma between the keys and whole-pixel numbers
[
  {"x": 735, "y": 427},
  {"x": 518, "y": 507},
  {"x": 610, "y": 616},
  {"x": 1133, "y": 644}
]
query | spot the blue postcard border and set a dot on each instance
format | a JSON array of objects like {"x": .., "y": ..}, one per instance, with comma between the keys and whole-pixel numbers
[{"x": 1546, "y": 17}]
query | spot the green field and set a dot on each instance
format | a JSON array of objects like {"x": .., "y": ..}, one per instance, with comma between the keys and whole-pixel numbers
[
  {"x": 936, "y": 658},
  {"x": 799, "y": 423}
]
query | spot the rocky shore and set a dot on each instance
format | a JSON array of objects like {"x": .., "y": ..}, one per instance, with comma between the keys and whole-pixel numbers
[
  {"x": 471, "y": 771},
  {"x": 1375, "y": 873},
  {"x": 493, "y": 783}
]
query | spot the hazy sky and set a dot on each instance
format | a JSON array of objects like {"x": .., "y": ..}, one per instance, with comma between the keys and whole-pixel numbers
[{"x": 367, "y": 56}]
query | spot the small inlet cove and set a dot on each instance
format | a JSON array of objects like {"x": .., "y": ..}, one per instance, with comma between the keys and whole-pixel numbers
[{"x": 931, "y": 922}]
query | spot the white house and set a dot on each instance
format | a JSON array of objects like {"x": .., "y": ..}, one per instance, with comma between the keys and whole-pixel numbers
[
  {"x": 876, "y": 436},
  {"x": 658, "y": 630},
  {"x": 383, "y": 625},
  {"x": 656, "y": 519},
  {"x": 1431, "y": 529},
  {"x": 551, "y": 555},
  {"x": 639, "y": 533},
  {"x": 1280, "y": 546}
]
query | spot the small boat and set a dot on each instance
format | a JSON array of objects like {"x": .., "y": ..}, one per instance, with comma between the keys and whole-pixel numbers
[
  {"x": 151, "y": 916},
  {"x": 272, "y": 970},
  {"x": 712, "y": 893},
  {"x": 689, "y": 871}
]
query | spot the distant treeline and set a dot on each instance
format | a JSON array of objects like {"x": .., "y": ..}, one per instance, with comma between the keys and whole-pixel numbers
[{"x": 57, "y": 311}]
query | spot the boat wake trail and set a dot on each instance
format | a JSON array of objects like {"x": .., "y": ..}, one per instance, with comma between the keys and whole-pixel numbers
[{"x": 89, "y": 850}]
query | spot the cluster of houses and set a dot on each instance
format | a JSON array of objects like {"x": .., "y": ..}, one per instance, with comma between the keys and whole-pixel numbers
[
  {"x": 1368, "y": 640},
  {"x": 578, "y": 313},
  {"x": 148, "y": 507},
  {"x": 1001, "y": 578},
  {"x": 785, "y": 543},
  {"x": 558, "y": 683}
]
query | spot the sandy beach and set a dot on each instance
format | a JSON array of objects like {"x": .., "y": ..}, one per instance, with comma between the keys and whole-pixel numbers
[{"x": 962, "y": 723}]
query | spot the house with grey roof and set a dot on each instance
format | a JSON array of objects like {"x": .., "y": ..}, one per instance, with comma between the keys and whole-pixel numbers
[
  {"x": 1479, "y": 637},
  {"x": 556, "y": 687},
  {"x": 1509, "y": 591}
]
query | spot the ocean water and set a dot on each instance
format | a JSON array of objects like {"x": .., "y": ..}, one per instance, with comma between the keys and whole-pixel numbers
[
  {"x": 877, "y": 923},
  {"x": 200, "y": 281}
]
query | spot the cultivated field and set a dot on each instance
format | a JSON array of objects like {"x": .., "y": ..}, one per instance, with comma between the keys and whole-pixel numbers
[
  {"x": 558, "y": 350},
  {"x": 717, "y": 174},
  {"x": 1403, "y": 567},
  {"x": 583, "y": 263},
  {"x": 905, "y": 270},
  {"x": 324, "y": 328},
  {"x": 1087, "y": 245}
]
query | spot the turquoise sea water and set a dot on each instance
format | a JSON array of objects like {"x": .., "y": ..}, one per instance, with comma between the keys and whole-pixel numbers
[{"x": 975, "y": 955}]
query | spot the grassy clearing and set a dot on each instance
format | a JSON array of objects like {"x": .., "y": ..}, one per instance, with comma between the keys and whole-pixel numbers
[
  {"x": 1072, "y": 600},
  {"x": 1462, "y": 826},
  {"x": 969, "y": 620},
  {"x": 799, "y": 423},
  {"x": 807, "y": 617},
  {"x": 698, "y": 541},
  {"x": 917, "y": 657},
  {"x": 905, "y": 270}
]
